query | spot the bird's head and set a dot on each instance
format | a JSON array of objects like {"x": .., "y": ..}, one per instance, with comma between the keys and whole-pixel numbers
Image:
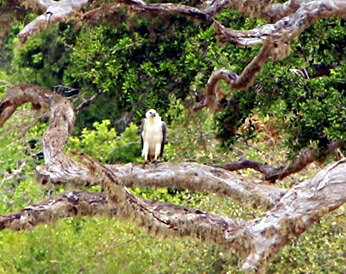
[{"x": 151, "y": 114}]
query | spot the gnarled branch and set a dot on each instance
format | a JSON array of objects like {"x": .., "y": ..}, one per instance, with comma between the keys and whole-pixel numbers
[
  {"x": 235, "y": 82},
  {"x": 277, "y": 173},
  {"x": 287, "y": 28}
]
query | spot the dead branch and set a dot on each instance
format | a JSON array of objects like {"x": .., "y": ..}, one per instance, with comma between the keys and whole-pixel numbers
[
  {"x": 87, "y": 102},
  {"x": 54, "y": 11},
  {"x": 64, "y": 10},
  {"x": 18, "y": 95},
  {"x": 276, "y": 39},
  {"x": 165, "y": 219},
  {"x": 277, "y": 173},
  {"x": 263, "y": 168},
  {"x": 295, "y": 15},
  {"x": 275, "y": 12}
]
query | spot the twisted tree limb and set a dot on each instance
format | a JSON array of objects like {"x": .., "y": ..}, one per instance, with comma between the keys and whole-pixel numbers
[
  {"x": 275, "y": 12},
  {"x": 286, "y": 29},
  {"x": 234, "y": 81},
  {"x": 199, "y": 177},
  {"x": 300, "y": 162}
]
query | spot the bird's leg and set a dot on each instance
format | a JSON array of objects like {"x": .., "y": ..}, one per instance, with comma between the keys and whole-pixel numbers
[
  {"x": 145, "y": 153},
  {"x": 157, "y": 153}
]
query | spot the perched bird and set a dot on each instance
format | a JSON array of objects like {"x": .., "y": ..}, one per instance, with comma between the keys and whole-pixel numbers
[{"x": 153, "y": 136}]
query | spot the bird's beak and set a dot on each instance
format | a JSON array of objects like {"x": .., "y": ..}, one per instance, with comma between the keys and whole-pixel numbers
[{"x": 153, "y": 114}]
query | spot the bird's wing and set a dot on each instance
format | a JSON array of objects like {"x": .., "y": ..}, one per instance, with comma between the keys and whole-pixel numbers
[
  {"x": 163, "y": 142},
  {"x": 142, "y": 129}
]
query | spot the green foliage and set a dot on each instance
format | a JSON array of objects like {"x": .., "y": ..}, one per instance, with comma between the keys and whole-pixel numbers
[
  {"x": 139, "y": 66},
  {"x": 44, "y": 58},
  {"x": 103, "y": 144},
  {"x": 18, "y": 159}
]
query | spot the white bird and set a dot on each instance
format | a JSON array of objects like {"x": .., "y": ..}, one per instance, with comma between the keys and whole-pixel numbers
[{"x": 153, "y": 136}]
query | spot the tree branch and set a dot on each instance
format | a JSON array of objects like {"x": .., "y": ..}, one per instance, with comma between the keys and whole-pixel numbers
[
  {"x": 87, "y": 102},
  {"x": 165, "y": 219},
  {"x": 64, "y": 10},
  {"x": 275, "y": 12},
  {"x": 62, "y": 206},
  {"x": 54, "y": 11},
  {"x": 277, "y": 173},
  {"x": 20, "y": 95},
  {"x": 286, "y": 29},
  {"x": 276, "y": 39},
  {"x": 234, "y": 81},
  {"x": 198, "y": 177}
]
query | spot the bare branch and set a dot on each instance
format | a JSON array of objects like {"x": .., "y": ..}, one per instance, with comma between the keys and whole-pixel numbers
[
  {"x": 263, "y": 168},
  {"x": 64, "y": 10},
  {"x": 165, "y": 219},
  {"x": 303, "y": 159},
  {"x": 284, "y": 30},
  {"x": 54, "y": 11},
  {"x": 62, "y": 206},
  {"x": 275, "y": 12},
  {"x": 235, "y": 82},
  {"x": 22, "y": 94},
  {"x": 274, "y": 173},
  {"x": 198, "y": 177},
  {"x": 276, "y": 39},
  {"x": 87, "y": 102},
  {"x": 207, "y": 12}
]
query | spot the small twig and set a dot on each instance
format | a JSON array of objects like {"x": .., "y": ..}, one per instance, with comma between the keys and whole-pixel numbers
[{"x": 87, "y": 102}]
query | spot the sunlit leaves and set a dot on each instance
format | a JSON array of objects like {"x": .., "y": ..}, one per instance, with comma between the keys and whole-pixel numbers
[{"x": 103, "y": 144}]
